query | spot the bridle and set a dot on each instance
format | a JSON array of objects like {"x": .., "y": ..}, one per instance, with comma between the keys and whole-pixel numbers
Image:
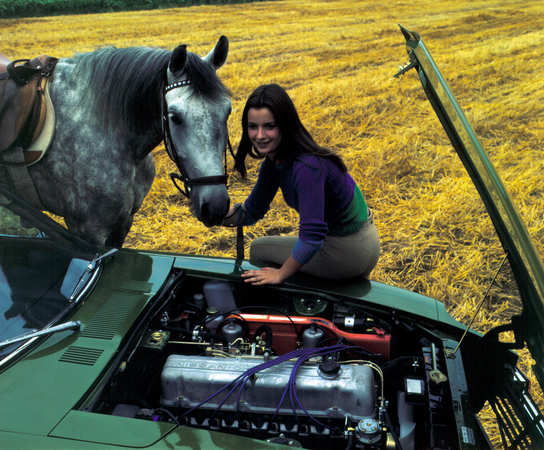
[{"x": 170, "y": 147}]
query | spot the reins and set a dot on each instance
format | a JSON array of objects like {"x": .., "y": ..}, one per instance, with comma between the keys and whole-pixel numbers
[{"x": 170, "y": 146}]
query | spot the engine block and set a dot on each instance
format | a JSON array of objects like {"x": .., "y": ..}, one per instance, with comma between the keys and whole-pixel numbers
[{"x": 324, "y": 390}]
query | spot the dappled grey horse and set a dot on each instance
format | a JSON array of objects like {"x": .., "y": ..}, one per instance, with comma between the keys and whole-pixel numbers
[{"x": 113, "y": 107}]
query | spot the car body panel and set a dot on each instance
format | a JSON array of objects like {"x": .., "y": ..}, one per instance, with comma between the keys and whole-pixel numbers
[
  {"x": 381, "y": 295},
  {"x": 91, "y": 433},
  {"x": 75, "y": 360},
  {"x": 123, "y": 432},
  {"x": 111, "y": 430}
]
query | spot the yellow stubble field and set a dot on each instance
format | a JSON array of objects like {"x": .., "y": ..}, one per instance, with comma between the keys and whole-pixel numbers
[{"x": 337, "y": 60}]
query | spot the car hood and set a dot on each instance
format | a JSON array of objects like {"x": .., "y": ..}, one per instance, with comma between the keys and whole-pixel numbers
[{"x": 522, "y": 254}]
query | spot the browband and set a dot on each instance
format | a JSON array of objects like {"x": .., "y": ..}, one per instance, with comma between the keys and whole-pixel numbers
[{"x": 176, "y": 85}]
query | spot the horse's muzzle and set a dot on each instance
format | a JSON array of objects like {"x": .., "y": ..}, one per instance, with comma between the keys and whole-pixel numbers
[{"x": 211, "y": 203}]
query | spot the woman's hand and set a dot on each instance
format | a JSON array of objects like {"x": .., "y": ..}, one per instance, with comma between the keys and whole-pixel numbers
[
  {"x": 235, "y": 216},
  {"x": 267, "y": 275}
]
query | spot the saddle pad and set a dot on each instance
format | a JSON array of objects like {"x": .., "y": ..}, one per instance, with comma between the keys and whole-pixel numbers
[{"x": 43, "y": 141}]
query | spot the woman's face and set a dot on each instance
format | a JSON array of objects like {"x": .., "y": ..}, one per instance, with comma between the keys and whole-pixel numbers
[{"x": 264, "y": 133}]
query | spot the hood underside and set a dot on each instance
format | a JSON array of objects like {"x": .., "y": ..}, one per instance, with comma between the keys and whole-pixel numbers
[{"x": 521, "y": 253}]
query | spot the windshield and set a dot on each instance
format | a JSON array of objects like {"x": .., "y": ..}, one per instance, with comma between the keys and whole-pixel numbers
[{"x": 38, "y": 272}]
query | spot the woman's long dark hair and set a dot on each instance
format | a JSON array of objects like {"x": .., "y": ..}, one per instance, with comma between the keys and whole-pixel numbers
[{"x": 295, "y": 139}]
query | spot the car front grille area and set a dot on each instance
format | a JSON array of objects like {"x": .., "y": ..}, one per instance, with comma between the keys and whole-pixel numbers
[{"x": 520, "y": 423}]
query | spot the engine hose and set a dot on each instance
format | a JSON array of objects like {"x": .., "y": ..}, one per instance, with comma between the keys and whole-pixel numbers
[
  {"x": 393, "y": 432},
  {"x": 350, "y": 441},
  {"x": 268, "y": 333},
  {"x": 200, "y": 334}
]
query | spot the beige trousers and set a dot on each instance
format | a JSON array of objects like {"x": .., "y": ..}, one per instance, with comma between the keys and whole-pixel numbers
[{"x": 341, "y": 257}]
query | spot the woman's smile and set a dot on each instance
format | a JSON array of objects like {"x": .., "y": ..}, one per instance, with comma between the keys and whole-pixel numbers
[{"x": 263, "y": 131}]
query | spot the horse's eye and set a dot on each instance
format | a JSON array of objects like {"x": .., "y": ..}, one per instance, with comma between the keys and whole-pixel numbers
[{"x": 176, "y": 120}]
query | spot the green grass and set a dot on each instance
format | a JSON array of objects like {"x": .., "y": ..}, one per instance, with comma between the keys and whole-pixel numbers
[{"x": 10, "y": 9}]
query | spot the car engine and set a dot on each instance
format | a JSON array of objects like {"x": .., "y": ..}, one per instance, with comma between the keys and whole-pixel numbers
[{"x": 299, "y": 370}]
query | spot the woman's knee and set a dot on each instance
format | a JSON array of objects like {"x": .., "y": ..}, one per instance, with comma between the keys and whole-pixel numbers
[{"x": 271, "y": 249}]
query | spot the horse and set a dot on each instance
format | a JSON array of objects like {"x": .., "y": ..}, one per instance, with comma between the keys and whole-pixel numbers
[{"x": 114, "y": 106}]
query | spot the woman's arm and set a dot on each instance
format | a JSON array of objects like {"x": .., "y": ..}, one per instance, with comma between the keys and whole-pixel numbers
[
  {"x": 268, "y": 275},
  {"x": 257, "y": 204},
  {"x": 309, "y": 185}
]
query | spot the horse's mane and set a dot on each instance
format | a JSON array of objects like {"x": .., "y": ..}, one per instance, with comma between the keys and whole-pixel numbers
[{"x": 125, "y": 85}]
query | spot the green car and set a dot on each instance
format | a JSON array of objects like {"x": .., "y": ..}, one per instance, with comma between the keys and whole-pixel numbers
[{"x": 118, "y": 348}]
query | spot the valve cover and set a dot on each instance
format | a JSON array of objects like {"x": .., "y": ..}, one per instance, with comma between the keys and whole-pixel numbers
[{"x": 329, "y": 392}]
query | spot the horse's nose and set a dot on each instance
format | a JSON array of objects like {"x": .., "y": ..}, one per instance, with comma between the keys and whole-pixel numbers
[{"x": 212, "y": 204}]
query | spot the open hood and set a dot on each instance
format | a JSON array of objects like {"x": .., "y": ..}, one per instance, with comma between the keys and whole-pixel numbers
[{"x": 522, "y": 255}]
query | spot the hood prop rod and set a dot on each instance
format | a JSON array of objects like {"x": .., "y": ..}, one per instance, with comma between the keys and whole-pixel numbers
[{"x": 451, "y": 353}]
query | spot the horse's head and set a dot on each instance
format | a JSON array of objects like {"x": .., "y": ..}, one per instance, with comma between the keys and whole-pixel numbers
[{"x": 197, "y": 108}]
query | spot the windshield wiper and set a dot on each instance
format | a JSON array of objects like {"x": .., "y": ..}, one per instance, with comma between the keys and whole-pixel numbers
[
  {"x": 74, "y": 325},
  {"x": 90, "y": 267}
]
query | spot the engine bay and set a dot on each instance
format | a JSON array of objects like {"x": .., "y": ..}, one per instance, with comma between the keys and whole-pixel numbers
[{"x": 282, "y": 366}]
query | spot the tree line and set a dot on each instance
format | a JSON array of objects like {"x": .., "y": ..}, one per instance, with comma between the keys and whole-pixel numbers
[{"x": 10, "y": 9}]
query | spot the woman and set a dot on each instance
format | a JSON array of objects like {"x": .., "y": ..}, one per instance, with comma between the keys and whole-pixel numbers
[{"x": 337, "y": 236}]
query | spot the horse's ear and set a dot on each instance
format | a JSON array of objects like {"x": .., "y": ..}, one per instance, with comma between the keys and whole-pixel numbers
[
  {"x": 178, "y": 59},
  {"x": 218, "y": 56}
]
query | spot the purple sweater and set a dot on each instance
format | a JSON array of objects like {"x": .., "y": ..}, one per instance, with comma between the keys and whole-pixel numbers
[{"x": 328, "y": 201}]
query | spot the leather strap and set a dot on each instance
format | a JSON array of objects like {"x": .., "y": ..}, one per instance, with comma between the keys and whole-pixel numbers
[{"x": 21, "y": 178}]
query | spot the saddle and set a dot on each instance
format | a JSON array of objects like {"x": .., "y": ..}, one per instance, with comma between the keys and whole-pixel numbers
[
  {"x": 23, "y": 107},
  {"x": 27, "y": 119}
]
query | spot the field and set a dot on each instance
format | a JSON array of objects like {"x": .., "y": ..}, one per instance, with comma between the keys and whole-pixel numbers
[{"x": 337, "y": 60}]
